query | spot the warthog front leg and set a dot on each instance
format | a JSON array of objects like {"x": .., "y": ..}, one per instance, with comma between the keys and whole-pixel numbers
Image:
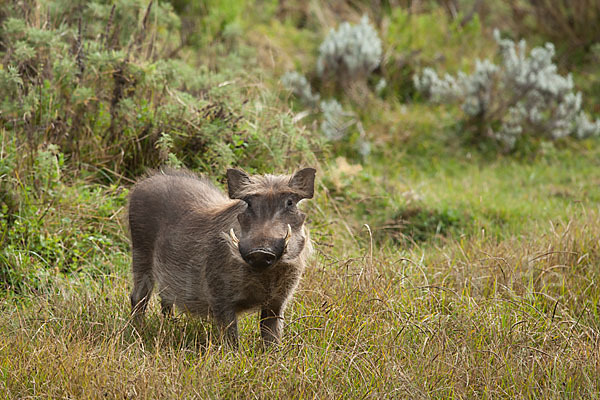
[
  {"x": 166, "y": 307},
  {"x": 271, "y": 324},
  {"x": 227, "y": 321}
]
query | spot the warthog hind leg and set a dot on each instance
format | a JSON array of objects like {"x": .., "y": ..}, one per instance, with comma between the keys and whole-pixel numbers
[{"x": 143, "y": 283}]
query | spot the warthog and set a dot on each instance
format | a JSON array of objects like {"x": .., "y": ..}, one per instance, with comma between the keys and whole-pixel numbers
[{"x": 219, "y": 256}]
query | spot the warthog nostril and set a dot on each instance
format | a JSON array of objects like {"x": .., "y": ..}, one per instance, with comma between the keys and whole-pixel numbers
[{"x": 261, "y": 258}]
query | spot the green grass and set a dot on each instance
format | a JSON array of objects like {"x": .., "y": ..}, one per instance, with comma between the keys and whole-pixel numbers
[
  {"x": 477, "y": 318},
  {"x": 503, "y": 304},
  {"x": 443, "y": 269}
]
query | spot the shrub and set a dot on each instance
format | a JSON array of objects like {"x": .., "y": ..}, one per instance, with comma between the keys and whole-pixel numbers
[
  {"x": 350, "y": 53},
  {"x": 336, "y": 120},
  {"x": 524, "y": 94},
  {"x": 297, "y": 83},
  {"x": 100, "y": 82}
]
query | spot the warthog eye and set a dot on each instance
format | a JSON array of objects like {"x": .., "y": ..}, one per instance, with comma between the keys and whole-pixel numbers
[{"x": 289, "y": 203}]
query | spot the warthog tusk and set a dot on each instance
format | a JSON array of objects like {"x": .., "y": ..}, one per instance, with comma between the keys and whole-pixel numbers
[
  {"x": 288, "y": 235},
  {"x": 233, "y": 237}
]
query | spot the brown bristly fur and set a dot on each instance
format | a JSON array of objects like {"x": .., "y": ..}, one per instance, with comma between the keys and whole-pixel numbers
[{"x": 178, "y": 223}]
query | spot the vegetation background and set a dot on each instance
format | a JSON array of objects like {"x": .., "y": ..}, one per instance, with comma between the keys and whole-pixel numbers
[{"x": 445, "y": 266}]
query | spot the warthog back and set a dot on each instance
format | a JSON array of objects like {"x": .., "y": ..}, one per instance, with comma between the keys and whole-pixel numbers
[{"x": 210, "y": 254}]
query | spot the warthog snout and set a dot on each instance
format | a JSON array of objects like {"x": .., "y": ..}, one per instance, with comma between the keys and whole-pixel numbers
[
  {"x": 262, "y": 255},
  {"x": 260, "y": 258}
]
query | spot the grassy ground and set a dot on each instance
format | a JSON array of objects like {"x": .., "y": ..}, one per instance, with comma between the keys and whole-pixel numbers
[
  {"x": 442, "y": 269},
  {"x": 508, "y": 308}
]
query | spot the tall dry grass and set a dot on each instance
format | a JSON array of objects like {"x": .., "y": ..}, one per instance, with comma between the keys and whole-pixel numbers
[{"x": 477, "y": 318}]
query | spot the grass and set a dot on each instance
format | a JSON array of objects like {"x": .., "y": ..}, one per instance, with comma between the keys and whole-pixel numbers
[
  {"x": 442, "y": 268},
  {"x": 510, "y": 311},
  {"x": 516, "y": 318}
]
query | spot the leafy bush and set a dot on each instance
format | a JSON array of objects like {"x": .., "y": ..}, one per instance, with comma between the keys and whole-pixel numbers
[
  {"x": 349, "y": 53},
  {"x": 297, "y": 83},
  {"x": 336, "y": 120},
  {"x": 523, "y": 95},
  {"x": 102, "y": 86}
]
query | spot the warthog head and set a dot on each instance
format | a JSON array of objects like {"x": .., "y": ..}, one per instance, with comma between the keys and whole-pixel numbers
[{"x": 271, "y": 226}]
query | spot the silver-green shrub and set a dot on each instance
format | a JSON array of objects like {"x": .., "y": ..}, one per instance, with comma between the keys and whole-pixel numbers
[
  {"x": 336, "y": 120},
  {"x": 300, "y": 87},
  {"x": 347, "y": 54},
  {"x": 351, "y": 51},
  {"x": 523, "y": 94}
]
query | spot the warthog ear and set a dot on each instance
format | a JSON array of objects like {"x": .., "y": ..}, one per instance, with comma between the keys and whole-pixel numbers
[
  {"x": 236, "y": 180},
  {"x": 303, "y": 182}
]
